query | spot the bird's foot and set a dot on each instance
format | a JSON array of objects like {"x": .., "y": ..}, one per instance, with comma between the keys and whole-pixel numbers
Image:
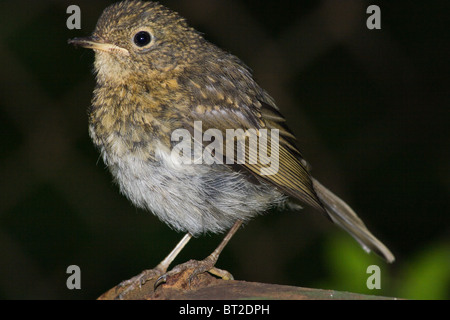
[
  {"x": 197, "y": 267},
  {"x": 138, "y": 281}
]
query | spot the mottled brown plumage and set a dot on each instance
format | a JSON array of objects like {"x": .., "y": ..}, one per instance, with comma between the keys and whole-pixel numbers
[{"x": 155, "y": 74}]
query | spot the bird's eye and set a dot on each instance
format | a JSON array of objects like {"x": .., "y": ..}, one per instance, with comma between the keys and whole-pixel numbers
[{"x": 142, "y": 38}]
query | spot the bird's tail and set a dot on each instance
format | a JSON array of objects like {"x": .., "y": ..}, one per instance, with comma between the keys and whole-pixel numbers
[{"x": 341, "y": 214}]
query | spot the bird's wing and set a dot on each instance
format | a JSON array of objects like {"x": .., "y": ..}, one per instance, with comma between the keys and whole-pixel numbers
[{"x": 281, "y": 164}]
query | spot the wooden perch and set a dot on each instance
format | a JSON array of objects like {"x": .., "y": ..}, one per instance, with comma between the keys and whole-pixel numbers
[{"x": 208, "y": 287}]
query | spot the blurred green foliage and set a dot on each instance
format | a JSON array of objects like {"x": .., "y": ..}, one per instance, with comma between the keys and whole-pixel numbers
[{"x": 424, "y": 276}]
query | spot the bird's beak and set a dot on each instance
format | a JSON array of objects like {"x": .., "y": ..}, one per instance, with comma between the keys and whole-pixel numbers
[{"x": 97, "y": 44}]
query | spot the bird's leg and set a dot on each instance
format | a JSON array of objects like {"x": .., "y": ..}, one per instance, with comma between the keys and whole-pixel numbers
[
  {"x": 206, "y": 265},
  {"x": 160, "y": 269},
  {"x": 164, "y": 265}
]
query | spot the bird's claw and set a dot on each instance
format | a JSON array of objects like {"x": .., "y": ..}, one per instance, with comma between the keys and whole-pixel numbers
[
  {"x": 197, "y": 267},
  {"x": 137, "y": 281}
]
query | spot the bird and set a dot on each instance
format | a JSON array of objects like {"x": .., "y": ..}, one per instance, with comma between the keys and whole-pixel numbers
[{"x": 157, "y": 76}]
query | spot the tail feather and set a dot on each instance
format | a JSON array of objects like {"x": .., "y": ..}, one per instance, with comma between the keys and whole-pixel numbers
[{"x": 341, "y": 214}]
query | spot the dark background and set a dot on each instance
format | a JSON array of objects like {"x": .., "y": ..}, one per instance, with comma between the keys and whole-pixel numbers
[{"x": 369, "y": 107}]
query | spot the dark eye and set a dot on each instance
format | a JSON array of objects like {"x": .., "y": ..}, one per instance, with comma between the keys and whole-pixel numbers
[{"x": 142, "y": 38}]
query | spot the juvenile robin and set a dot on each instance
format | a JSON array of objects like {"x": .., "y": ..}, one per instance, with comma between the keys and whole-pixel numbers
[{"x": 156, "y": 75}]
